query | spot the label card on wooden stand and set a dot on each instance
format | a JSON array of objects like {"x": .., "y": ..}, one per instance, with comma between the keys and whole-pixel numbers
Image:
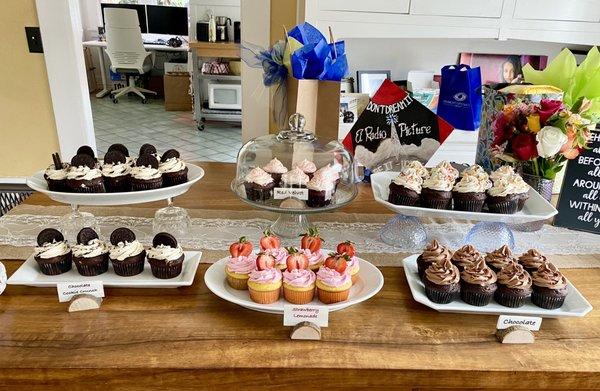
[
  {"x": 529, "y": 322},
  {"x": 294, "y": 314},
  {"x": 517, "y": 329},
  {"x": 68, "y": 290}
]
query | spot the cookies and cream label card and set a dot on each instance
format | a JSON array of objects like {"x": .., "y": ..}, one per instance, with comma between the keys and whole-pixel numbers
[
  {"x": 532, "y": 323},
  {"x": 281, "y": 193},
  {"x": 67, "y": 290},
  {"x": 294, "y": 314}
]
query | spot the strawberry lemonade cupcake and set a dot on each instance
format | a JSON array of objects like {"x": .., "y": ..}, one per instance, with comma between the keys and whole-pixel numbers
[
  {"x": 333, "y": 283},
  {"x": 353, "y": 264},
  {"x": 271, "y": 244},
  {"x": 310, "y": 245},
  {"x": 264, "y": 283},
  {"x": 240, "y": 264},
  {"x": 298, "y": 279}
]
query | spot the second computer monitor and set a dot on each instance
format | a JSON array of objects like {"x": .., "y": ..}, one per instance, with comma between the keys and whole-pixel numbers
[{"x": 167, "y": 20}]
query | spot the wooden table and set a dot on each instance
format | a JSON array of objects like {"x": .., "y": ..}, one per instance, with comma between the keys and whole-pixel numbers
[{"x": 188, "y": 338}]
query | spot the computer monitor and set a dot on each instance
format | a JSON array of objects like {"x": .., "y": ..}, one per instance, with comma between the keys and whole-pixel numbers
[
  {"x": 167, "y": 20},
  {"x": 140, "y": 8}
]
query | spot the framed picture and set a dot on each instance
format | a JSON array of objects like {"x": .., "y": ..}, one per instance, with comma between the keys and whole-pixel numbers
[
  {"x": 502, "y": 68},
  {"x": 368, "y": 82}
]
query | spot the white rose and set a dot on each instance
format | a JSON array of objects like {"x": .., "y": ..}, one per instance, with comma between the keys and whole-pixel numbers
[{"x": 550, "y": 140}]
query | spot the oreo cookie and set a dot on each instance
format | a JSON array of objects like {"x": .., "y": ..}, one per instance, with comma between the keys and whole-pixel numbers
[
  {"x": 165, "y": 239},
  {"x": 81, "y": 159},
  {"x": 49, "y": 235},
  {"x": 114, "y": 157},
  {"x": 85, "y": 235},
  {"x": 170, "y": 154},
  {"x": 122, "y": 235},
  {"x": 147, "y": 149},
  {"x": 119, "y": 147},
  {"x": 86, "y": 150},
  {"x": 146, "y": 160}
]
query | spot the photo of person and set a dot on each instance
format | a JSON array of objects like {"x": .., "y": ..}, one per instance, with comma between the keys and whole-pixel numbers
[
  {"x": 502, "y": 68},
  {"x": 511, "y": 70}
]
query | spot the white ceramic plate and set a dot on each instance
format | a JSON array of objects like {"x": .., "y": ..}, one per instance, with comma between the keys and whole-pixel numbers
[
  {"x": 369, "y": 282},
  {"x": 575, "y": 304},
  {"x": 536, "y": 207},
  {"x": 38, "y": 183},
  {"x": 29, "y": 274}
]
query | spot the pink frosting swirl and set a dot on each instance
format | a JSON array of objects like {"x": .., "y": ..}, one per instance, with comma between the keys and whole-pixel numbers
[
  {"x": 280, "y": 254},
  {"x": 299, "y": 277},
  {"x": 331, "y": 277},
  {"x": 352, "y": 263},
  {"x": 313, "y": 258},
  {"x": 267, "y": 276},
  {"x": 242, "y": 265},
  {"x": 327, "y": 173},
  {"x": 306, "y": 166}
]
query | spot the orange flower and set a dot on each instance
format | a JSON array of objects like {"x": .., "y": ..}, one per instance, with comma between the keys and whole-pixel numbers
[{"x": 568, "y": 150}]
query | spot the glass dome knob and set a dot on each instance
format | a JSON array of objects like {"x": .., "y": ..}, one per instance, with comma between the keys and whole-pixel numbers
[{"x": 297, "y": 122}]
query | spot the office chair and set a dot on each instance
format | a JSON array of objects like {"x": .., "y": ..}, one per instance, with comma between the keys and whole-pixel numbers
[{"x": 125, "y": 50}]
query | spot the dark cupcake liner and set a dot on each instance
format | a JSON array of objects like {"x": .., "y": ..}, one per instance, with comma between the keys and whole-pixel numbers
[
  {"x": 57, "y": 185},
  {"x": 508, "y": 299},
  {"x": 438, "y": 296},
  {"x": 175, "y": 178},
  {"x": 276, "y": 178},
  {"x": 421, "y": 267},
  {"x": 547, "y": 301},
  {"x": 508, "y": 206},
  {"x": 93, "y": 266},
  {"x": 161, "y": 269},
  {"x": 56, "y": 265},
  {"x": 521, "y": 201},
  {"x": 146, "y": 184},
  {"x": 130, "y": 266},
  {"x": 435, "y": 203},
  {"x": 92, "y": 186},
  {"x": 478, "y": 299},
  {"x": 468, "y": 205},
  {"x": 117, "y": 184},
  {"x": 317, "y": 199},
  {"x": 255, "y": 192},
  {"x": 400, "y": 199}
]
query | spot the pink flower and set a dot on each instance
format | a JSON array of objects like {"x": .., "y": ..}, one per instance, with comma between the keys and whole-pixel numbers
[{"x": 547, "y": 109}]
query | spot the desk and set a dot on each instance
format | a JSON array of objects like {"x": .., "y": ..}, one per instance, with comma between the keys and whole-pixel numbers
[{"x": 101, "y": 45}]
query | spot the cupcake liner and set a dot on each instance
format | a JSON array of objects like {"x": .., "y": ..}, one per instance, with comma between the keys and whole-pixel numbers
[
  {"x": 468, "y": 205},
  {"x": 91, "y": 186},
  {"x": 57, "y": 184},
  {"x": 435, "y": 203},
  {"x": 264, "y": 297},
  {"x": 400, "y": 199},
  {"x": 56, "y": 265},
  {"x": 256, "y": 193},
  {"x": 298, "y": 297},
  {"x": 505, "y": 207},
  {"x": 175, "y": 178},
  {"x": 328, "y": 297},
  {"x": 438, "y": 296},
  {"x": 129, "y": 266},
  {"x": 521, "y": 201},
  {"x": 547, "y": 301},
  {"x": 117, "y": 184},
  {"x": 508, "y": 299},
  {"x": 165, "y": 271},
  {"x": 317, "y": 199},
  {"x": 146, "y": 184},
  {"x": 240, "y": 284},
  {"x": 478, "y": 299},
  {"x": 94, "y": 266},
  {"x": 421, "y": 267}
]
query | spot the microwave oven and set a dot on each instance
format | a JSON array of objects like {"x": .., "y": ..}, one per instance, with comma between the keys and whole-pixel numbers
[{"x": 227, "y": 96}]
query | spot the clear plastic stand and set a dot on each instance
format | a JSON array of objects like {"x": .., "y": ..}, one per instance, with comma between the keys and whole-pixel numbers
[
  {"x": 290, "y": 225},
  {"x": 488, "y": 236},
  {"x": 172, "y": 219},
  {"x": 404, "y": 231},
  {"x": 73, "y": 222}
]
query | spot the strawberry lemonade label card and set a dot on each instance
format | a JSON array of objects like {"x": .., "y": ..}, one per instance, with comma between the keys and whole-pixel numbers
[{"x": 395, "y": 126}]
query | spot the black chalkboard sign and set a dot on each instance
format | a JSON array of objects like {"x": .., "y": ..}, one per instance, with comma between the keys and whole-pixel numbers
[{"x": 579, "y": 201}]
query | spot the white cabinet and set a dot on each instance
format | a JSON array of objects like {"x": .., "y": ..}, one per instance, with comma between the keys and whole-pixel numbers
[
  {"x": 558, "y": 10},
  {"x": 474, "y": 8},
  {"x": 391, "y": 6}
]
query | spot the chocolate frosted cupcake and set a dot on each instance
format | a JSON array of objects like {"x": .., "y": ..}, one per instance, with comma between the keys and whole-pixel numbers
[
  {"x": 145, "y": 175},
  {"x": 84, "y": 176},
  {"x": 465, "y": 256},
  {"x": 499, "y": 258},
  {"x": 436, "y": 192},
  {"x": 503, "y": 197},
  {"x": 165, "y": 256},
  {"x": 549, "y": 287},
  {"x": 514, "y": 285},
  {"x": 532, "y": 260},
  {"x": 90, "y": 254},
  {"x": 52, "y": 254},
  {"x": 126, "y": 254},
  {"x": 320, "y": 192},
  {"x": 275, "y": 168},
  {"x": 469, "y": 193},
  {"x": 173, "y": 169},
  {"x": 478, "y": 284},
  {"x": 434, "y": 252},
  {"x": 405, "y": 189},
  {"x": 442, "y": 282},
  {"x": 307, "y": 167},
  {"x": 295, "y": 178},
  {"x": 116, "y": 172},
  {"x": 259, "y": 185}
]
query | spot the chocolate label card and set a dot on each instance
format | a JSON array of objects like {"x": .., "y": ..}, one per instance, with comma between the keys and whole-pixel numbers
[
  {"x": 395, "y": 125},
  {"x": 579, "y": 202}
]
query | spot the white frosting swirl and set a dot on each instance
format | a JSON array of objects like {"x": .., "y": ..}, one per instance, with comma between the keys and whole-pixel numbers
[
  {"x": 409, "y": 178},
  {"x": 295, "y": 177},
  {"x": 438, "y": 181},
  {"x": 471, "y": 184},
  {"x": 125, "y": 250},
  {"x": 446, "y": 169},
  {"x": 520, "y": 185},
  {"x": 259, "y": 176},
  {"x": 503, "y": 187},
  {"x": 275, "y": 166},
  {"x": 115, "y": 170},
  {"x": 327, "y": 173},
  {"x": 94, "y": 248},
  {"x": 418, "y": 167},
  {"x": 320, "y": 184},
  {"x": 173, "y": 164},
  {"x": 167, "y": 253},
  {"x": 145, "y": 172},
  {"x": 51, "y": 250},
  {"x": 52, "y": 173},
  {"x": 502, "y": 172},
  {"x": 306, "y": 166},
  {"x": 84, "y": 173}
]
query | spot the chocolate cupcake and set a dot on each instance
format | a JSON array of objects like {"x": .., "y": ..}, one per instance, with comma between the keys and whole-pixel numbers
[
  {"x": 84, "y": 176},
  {"x": 522, "y": 189},
  {"x": 90, "y": 254},
  {"x": 405, "y": 189},
  {"x": 276, "y": 169},
  {"x": 295, "y": 178},
  {"x": 465, "y": 256},
  {"x": 499, "y": 258},
  {"x": 436, "y": 192},
  {"x": 478, "y": 284},
  {"x": 442, "y": 282},
  {"x": 126, "y": 254},
  {"x": 52, "y": 254},
  {"x": 468, "y": 193},
  {"x": 434, "y": 252},
  {"x": 259, "y": 185},
  {"x": 116, "y": 172},
  {"x": 503, "y": 197},
  {"x": 549, "y": 287},
  {"x": 307, "y": 167},
  {"x": 320, "y": 192},
  {"x": 145, "y": 175},
  {"x": 173, "y": 169},
  {"x": 165, "y": 256},
  {"x": 56, "y": 174},
  {"x": 514, "y": 285},
  {"x": 532, "y": 260},
  {"x": 330, "y": 173}
]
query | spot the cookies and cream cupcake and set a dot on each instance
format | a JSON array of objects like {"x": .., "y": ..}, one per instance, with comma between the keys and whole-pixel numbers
[
  {"x": 126, "y": 253},
  {"x": 116, "y": 172},
  {"x": 165, "y": 256},
  {"x": 259, "y": 185},
  {"x": 90, "y": 254},
  {"x": 84, "y": 176},
  {"x": 295, "y": 178},
  {"x": 174, "y": 170},
  {"x": 550, "y": 287},
  {"x": 405, "y": 189},
  {"x": 436, "y": 191},
  {"x": 514, "y": 285},
  {"x": 52, "y": 253},
  {"x": 146, "y": 175},
  {"x": 56, "y": 177},
  {"x": 478, "y": 284},
  {"x": 276, "y": 169}
]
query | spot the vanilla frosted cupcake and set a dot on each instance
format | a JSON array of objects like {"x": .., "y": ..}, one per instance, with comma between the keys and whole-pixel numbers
[
  {"x": 469, "y": 193},
  {"x": 444, "y": 168},
  {"x": 264, "y": 283},
  {"x": 418, "y": 167},
  {"x": 295, "y": 178},
  {"x": 502, "y": 172},
  {"x": 332, "y": 286},
  {"x": 405, "y": 189},
  {"x": 299, "y": 285},
  {"x": 276, "y": 169},
  {"x": 436, "y": 191},
  {"x": 238, "y": 270},
  {"x": 503, "y": 196}
]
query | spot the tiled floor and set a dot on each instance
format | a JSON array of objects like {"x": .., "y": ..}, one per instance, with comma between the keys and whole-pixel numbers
[{"x": 132, "y": 123}]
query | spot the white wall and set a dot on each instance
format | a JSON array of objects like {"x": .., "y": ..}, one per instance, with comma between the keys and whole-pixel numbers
[{"x": 198, "y": 11}]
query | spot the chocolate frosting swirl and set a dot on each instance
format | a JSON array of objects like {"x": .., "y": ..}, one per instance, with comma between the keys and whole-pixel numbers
[
  {"x": 548, "y": 276},
  {"x": 466, "y": 255},
  {"x": 500, "y": 257},
  {"x": 532, "y": 259},
  {"x": 479, "y": 273},
  {"x": 442, "y": 273},
  {"x": 514, "y": 276},
  {"x": 435, "y": 252}
]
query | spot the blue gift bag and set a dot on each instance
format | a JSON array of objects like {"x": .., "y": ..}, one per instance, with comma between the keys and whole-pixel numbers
[{"x": 461, "y": 97}]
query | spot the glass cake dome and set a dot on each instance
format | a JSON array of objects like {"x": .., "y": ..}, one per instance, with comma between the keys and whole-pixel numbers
[{"x": 292, "y": 172}]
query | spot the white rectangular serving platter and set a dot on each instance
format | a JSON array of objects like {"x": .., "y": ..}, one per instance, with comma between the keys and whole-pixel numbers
[
  {"x": 536, "y": 207},
  {"x": 29, "y": 274},
  {"x": 575, "y": 304}
]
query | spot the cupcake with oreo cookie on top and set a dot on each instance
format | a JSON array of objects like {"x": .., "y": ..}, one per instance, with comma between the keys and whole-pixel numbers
[
  {"x": 165, "y": 256},
  {"x": 174, "y": 170},
  {"x": 126, "y": 254},
  {"x": 130, "y": 161},
  {"x": 52, "y": 254},
  {"x": 149, "y": 149},
  {"x": 116, "y": 172},
  {"x": 84, "y": 176},
  {"x": 146, "y": 175},
  {"x": 90, "y": 254}
]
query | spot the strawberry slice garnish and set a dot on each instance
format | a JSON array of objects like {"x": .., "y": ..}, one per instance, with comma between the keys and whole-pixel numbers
[
  {"x": 269, "y": 241},
  {"x": 241, "y": 248},
  {"x": 311, "y": 240},
  {"x": 337, "y": 262},
  {"x": 296, "y": 260},
  {"x": 347, "y": 248},
  {"x": 264, "y": 261}
]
